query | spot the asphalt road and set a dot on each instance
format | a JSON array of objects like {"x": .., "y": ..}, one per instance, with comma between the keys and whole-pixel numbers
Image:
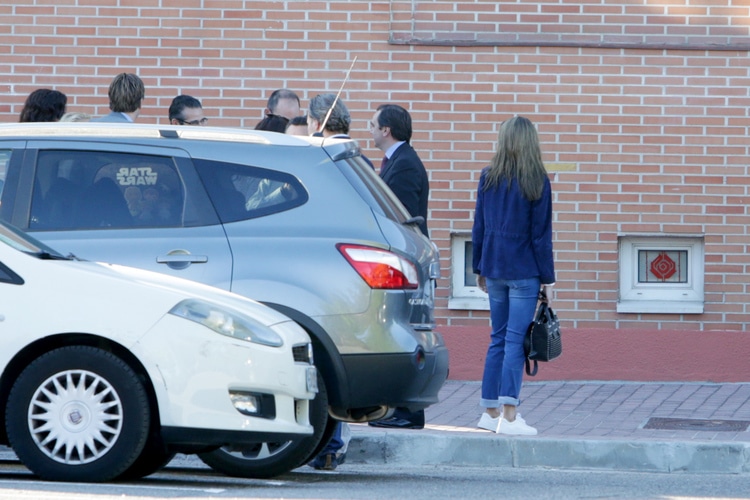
[{"x": 187, "y": 479}]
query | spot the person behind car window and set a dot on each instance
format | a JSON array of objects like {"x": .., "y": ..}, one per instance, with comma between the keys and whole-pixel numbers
[
  {"x": 186, "y": 110},
  {"x": 270, "y": 192},
  {"x": 44, "y": 105},
  {"x": 126, "y": 94},
  {"x": 264, "y": 192},
  {"x": 297, "y": 126}
]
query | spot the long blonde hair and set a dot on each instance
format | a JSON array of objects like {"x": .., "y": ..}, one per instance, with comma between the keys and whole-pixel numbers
[{"x": 518, "y": 158}]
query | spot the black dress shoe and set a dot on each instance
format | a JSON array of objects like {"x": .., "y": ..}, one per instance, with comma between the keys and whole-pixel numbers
[{"x": 397, "y": 423}]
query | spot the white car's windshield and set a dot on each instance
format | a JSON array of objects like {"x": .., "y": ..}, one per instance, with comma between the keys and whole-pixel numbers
[{"x": 21, "y": 241}]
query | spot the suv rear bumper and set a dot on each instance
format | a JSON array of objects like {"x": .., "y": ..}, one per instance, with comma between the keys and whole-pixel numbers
[{"x": 402, "y": 381}]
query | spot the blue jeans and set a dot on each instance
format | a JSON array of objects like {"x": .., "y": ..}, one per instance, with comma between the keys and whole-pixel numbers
[
  {"x": 339, "y": 440},
  {"x": 512, "y": 307}
]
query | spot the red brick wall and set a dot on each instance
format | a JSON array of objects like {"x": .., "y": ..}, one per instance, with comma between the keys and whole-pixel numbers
[{"x": 646, "y": 102}]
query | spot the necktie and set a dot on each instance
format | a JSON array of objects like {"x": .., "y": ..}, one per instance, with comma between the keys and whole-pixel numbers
[{"x": 383, "y": 163}]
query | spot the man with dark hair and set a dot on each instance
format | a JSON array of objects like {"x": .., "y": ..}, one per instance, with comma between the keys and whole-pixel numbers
[
  {"x": 186, "y": 110},
  {"x": 402, "y": 170},
  {"x": 126, "y": 93},
  {"x": 297, "y": 126},
  {"x": 404, "y": 173},
  {"x": 283, "y": 102},
  {"x": 273, "y": 123}
]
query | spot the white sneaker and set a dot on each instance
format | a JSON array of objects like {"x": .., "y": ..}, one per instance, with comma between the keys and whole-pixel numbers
[
  {"x": 488, "y": 423},
  {"x": 518, "y": 427}
]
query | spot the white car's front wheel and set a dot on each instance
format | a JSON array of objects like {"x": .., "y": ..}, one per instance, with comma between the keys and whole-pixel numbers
[
  {"x": 78, "y": 413},
  {"x": 271, "y": 459}
]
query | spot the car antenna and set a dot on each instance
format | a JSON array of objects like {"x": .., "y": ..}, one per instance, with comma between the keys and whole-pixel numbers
[{"x": 336, "y": 99}]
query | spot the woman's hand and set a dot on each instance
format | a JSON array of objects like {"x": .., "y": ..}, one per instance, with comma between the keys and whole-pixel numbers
[
  {"x": 547, "y": 290},
  {"x": 482, "y": 283}
]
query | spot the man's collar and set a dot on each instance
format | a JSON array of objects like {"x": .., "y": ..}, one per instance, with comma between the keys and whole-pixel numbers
[{"x": 389, "y": 152}]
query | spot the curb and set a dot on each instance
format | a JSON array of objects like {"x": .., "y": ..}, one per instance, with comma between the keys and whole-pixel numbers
[{"x": 401, "y": 448}]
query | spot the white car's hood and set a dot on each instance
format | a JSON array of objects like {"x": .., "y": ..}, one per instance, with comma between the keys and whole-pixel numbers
[
  {"x": 84, "y": 295},
  {"x": 176, "y": 289}
]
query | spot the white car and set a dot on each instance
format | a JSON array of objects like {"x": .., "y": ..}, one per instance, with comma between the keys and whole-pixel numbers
[{"x": 108, "y": 371}]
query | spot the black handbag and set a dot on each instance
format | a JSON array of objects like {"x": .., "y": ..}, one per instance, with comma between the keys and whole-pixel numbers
[{"x": 542, "y": 341}]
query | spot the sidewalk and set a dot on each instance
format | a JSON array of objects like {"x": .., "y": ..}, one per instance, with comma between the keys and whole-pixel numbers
[{"x": 637, "y": 426}]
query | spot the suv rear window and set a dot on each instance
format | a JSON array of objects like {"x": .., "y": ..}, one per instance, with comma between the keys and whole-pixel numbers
[
  {"x": 4, "y": 159},
  {"x": 371, "y": 188},
  {"x": 241, "y": 192}
]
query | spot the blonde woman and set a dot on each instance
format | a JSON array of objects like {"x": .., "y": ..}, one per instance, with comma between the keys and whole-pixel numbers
[
  {"x": 74, "y": 116},
  {"x": 512, "y": 239}
]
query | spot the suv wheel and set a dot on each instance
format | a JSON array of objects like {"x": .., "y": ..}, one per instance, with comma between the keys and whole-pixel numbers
[
  {"x": 155, "y": 456},
  {"x": 265, "y": 460},
  {"x": 78, "y": 414}
]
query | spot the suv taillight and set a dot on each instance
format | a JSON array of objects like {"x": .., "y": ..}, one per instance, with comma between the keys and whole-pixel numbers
[{"x": 380, "y": 268}]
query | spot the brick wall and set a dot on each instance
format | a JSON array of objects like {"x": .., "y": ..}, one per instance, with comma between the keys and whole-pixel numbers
[{"x": 644, "y": 102}]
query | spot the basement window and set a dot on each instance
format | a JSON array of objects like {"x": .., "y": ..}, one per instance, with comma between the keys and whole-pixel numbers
[
  {"x": 465, "y": 294},
  {"x": 661, "y": 274}
]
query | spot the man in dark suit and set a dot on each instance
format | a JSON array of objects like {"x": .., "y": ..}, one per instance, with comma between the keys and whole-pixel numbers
[
  {"x": 404, "y": 173},
  {"x": 401, "y": 169},
  {"x": 126, "y": 93}
]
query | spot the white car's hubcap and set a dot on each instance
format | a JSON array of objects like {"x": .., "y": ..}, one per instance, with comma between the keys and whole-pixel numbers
[{"x": 75, "y": 417}]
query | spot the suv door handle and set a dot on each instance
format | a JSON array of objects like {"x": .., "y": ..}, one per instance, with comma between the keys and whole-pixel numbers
[{"x": 181, "y": 259}]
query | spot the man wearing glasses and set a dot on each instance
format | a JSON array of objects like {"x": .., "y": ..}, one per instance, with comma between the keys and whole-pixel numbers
[{"x": 186, "y": 110}]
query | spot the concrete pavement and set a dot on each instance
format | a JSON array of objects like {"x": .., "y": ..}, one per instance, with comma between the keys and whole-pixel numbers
[
  {"x": 631, "y": 426},
  {"x": 635, "y": 426}
]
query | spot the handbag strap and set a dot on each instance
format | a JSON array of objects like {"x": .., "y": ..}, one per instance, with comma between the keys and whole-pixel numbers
[
  {"x": 544, "y": 314},
  {"x": 549, "y": 314},
  {"x": 529, "y": 371}
]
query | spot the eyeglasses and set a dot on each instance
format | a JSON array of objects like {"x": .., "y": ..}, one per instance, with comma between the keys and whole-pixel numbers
[{"x": 202, "y": 121}]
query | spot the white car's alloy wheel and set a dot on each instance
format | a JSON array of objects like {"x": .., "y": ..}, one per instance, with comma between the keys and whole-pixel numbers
[
  {"x": 79, "y": 413},
  {"x": 75, "y": 417}
]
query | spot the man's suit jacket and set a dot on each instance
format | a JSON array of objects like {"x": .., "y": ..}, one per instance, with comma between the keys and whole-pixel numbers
[
  {"x": 406, "y": 176},
  {"x": 114, "y": 116}
]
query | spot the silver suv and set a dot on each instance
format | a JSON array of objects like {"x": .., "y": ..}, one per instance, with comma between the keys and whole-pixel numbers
[{"x": 303, "y": 225}]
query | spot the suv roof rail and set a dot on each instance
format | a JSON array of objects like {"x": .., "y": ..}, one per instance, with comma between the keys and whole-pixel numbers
[{"x": 106, "y": 129}]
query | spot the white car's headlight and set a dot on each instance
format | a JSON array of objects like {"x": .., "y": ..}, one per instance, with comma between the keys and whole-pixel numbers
[{"x": 230, "y": 323}]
